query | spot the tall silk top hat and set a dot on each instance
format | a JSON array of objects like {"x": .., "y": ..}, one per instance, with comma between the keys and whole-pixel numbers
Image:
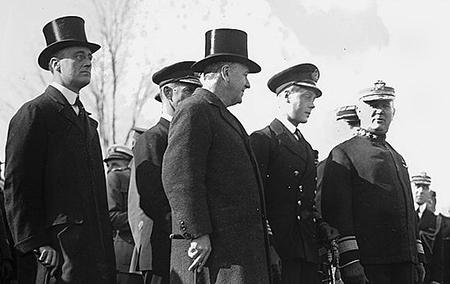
[
  {"x": 62, "y": 33},
  {"x": 226, "y": 45}
]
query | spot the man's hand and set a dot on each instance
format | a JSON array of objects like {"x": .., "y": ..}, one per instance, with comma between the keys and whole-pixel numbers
[
  {"x": 419, "y": 273},
  {"x": 199, "y": 250},
  {"x": 354, "y": 273},
  {"x": 275, "y": 263},
  {"x": 49, "y": 257},
  {"x": 327, "y": 233}
]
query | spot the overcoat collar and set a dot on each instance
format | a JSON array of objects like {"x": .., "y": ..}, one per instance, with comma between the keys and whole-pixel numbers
[
  {"x": 287, "y": 138},
  {"x": 66, "y": 111},
  {"x": 164, "y": 123},
  {"x": 226, "y": 114}
]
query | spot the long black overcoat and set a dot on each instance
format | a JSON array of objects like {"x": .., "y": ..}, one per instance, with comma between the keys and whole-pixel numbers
[
  {"x": 212, "y": 182},
  {"x": 55, "y": 177}
]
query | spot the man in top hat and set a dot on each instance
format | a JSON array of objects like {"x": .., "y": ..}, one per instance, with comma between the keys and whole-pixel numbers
[
  {"x": 55, "y": 189},
  {"x": 429, "y": 226},
  {"x": 286, "y": 161},
  {"x": 176, "y": 83},
  {"x": 366, "y": 195},
  {"x": 117, "y": 184},
  {"x": 210, "y": 175}
]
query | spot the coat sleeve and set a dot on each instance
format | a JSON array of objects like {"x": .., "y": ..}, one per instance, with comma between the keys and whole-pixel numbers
[
  {"x": 184, "y": 170},
  {"x": 26, "y": 148},
  {"x": 337, "y": 203},
  {"x": 260, "y": 144},
  {"x": 153, "y": 200}
]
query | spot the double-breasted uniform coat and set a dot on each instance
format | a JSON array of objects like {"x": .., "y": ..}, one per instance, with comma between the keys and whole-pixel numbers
[
  {"x": 287, "y": 165},
  {"x": 118, "y": 180},
  {"x": 366, "y": 195},
  {"x": 55, "y": 189},
  {"x": 213, "y": 186},
  {"x": 148, "y": 152}
]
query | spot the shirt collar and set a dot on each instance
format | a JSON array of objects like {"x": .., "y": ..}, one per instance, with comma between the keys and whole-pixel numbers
[
  {"x": 283, "y": 119},
  {"x": 167, "y": 116},
  {"x": 70, "y": 96},
  {"x": 422, "y": 207}
]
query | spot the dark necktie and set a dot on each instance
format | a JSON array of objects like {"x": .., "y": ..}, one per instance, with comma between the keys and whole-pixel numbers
[
  {"x": 79, "y": 105},
  {"x": 297, "y": 134}
]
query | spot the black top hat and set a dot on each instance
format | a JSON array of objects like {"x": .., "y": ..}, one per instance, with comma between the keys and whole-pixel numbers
[
  {"x": 305, "y": 75},
  {"x": 226, "y": 45},
  {"x": 178, "y": 72},
  {"x": 62, "y": 33}
]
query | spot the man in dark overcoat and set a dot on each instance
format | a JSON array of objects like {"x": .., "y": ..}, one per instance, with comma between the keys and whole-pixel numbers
[
  {"x": 287, "y": 164},
  {"x": 117, "y": 183},
  {"x": 429, "y": 227},
  {"x": 211, "y": 178},
  {"x": 176, "y": 82},
  {"x": 55, "y": 190},
  {"x": 366, "y": 195}
]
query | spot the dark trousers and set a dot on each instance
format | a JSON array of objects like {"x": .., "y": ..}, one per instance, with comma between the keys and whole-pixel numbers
[
  {"x": 397, "y": 273},
  {"x": 299, "y": 272}
]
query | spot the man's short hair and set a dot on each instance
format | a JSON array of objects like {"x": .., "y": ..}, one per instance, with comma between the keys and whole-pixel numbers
[{"x": 215, "y": 67}]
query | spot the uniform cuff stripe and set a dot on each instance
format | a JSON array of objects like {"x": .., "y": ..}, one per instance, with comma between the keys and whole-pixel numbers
[{"x": 347, "y": 244}]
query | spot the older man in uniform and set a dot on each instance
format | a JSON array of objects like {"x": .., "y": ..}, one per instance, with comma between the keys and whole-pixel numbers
[
  {"x": 117, "y": 183},
  {"x": 176, "y": 82},
  {"x": 366, "y": 195},
  {"x": 286, "y": 161},
  {"x": 210, "y": 175},
  {"x": 55, "y": 189},
  {"x": 429, "y": 226}
]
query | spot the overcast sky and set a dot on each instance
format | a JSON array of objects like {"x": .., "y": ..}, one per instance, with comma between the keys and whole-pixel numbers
[{"x": 353, "y": 42}]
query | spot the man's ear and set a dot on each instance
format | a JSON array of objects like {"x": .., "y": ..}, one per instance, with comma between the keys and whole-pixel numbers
[
  {"x": 286, "y": 94},
  {"x": 55, "y": 64},
  {"x": 225, "y": 72},
  {"x": 167, "y": 92}
]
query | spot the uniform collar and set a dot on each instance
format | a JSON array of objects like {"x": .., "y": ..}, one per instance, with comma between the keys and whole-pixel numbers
[
  {"x": 371, "y": 136},
  {"x": 283, "y": 119}
]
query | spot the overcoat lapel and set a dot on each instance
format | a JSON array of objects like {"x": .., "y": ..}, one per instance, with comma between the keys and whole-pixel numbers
[
  {"x": 287, "y": 139},
  {"x": 64, "y": 108}
]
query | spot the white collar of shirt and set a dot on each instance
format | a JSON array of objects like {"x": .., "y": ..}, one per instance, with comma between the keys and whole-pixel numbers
[
  {"x": 166, "y": 116},
  {"x": 422, "y": 209},
  {"x": 70, "y": 96},
  {"x": 283, "y": 119}
]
